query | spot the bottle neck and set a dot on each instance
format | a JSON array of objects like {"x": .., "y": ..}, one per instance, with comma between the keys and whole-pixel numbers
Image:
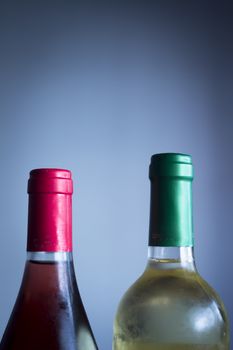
[
  {"x": 49, "y": 257},
  {"x": 171, "y": 219},
  {"x": 171, "y": 257},
  {"x": 47, "y": 273},
  {"x": 49, "y": 222},
  {"x": 171, "y": 223}
]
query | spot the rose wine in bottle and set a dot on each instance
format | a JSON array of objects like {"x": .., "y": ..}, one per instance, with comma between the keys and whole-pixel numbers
[
  {"x": 48, "y": 313},
  {"x": 171, "y": 307}
]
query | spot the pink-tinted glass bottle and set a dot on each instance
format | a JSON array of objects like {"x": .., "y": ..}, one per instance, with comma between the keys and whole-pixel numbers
[{"x": 48, "y": 313}]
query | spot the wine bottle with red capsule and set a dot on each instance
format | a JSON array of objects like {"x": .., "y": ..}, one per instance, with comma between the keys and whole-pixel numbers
[{"x": 49, "y": 313}]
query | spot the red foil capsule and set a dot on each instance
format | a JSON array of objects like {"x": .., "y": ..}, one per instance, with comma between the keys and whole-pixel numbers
[{"x": 50, "y": 210}]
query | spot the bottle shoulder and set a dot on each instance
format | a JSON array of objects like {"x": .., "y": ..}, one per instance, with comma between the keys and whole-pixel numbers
[
  {"x": 172, "y": 288},
  {"x": 48, "y": 303},
  {"x": 176, "y": 304}
]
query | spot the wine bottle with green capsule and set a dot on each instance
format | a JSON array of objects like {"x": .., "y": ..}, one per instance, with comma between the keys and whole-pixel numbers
[{"x": 171, "y": 307}]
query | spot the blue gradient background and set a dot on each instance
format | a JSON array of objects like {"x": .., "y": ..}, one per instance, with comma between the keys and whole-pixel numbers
[{"x": 97, "y": 87}]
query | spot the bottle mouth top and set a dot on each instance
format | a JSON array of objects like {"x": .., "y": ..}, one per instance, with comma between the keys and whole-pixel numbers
[
  {"x": 50, "y": 180},
  {"x": 171, "y": 165}
]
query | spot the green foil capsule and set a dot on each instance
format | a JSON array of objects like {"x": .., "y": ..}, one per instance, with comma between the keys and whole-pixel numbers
[{"x": 171, "y": 219}]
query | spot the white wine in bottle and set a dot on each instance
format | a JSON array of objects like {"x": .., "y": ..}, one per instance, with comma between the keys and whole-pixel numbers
[{"x": 171, "y": 307}]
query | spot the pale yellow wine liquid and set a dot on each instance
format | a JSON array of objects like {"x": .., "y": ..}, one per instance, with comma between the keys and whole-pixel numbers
[
  {"x": 170, "y": 309},
  {"x": 144, "y": 346}
]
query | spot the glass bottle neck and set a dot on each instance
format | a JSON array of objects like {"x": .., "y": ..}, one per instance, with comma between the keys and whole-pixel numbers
[
  {"x": 50, "y": 256},
  {"x": 49, "y": 271},
  {"x": 171, "y": 257}
]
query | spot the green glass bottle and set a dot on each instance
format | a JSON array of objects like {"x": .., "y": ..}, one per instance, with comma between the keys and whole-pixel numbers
[{"x": 171, "y": 307}]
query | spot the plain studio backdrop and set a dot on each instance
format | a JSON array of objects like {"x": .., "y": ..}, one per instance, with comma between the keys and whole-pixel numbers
[{"x": 98, "y": 87}]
